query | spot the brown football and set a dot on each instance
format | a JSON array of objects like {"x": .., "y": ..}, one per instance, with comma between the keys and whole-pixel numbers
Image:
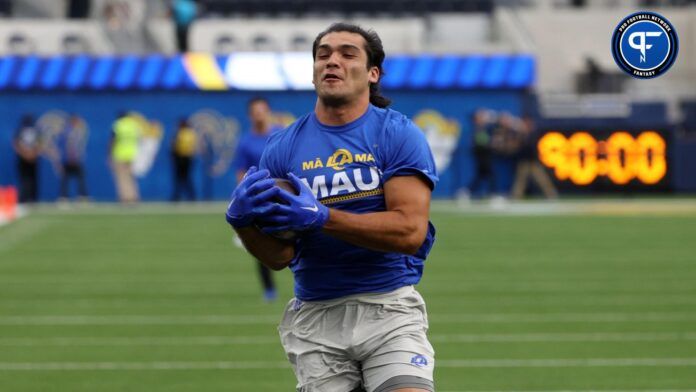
[{"x": 282, "y": 183}]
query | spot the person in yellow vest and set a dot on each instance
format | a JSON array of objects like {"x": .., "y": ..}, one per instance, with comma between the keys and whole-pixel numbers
[
  {"x": 184, "y": 149},
  {"x": 123, "y": 149}
]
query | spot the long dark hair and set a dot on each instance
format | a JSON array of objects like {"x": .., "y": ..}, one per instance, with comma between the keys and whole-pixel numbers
[{"x": 375, "y": 55}]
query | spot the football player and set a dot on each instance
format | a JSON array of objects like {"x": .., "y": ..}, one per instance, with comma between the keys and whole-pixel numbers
[{"x": 364, "y": 174}]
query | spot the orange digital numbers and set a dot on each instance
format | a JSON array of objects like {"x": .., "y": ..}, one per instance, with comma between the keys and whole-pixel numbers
[{"x": 581, "y": 158}]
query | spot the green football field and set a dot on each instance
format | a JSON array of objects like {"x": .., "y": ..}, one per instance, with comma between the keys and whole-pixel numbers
[{"x": 574, "y": 296}]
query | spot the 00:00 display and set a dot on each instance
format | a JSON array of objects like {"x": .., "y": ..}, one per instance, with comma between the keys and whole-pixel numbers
[{"x": 581, "y": 158}]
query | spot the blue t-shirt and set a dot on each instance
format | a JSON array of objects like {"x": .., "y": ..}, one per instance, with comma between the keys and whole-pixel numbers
[
  {"x": 250, "y": 148},
  {"x": 346, "y": 168}
]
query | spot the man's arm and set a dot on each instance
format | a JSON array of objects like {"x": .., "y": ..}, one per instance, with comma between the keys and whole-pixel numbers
[
  {"x": 402, "y": 228},
  {"x": 273, "y": 253},
  {"x": 251, "y": 199}
]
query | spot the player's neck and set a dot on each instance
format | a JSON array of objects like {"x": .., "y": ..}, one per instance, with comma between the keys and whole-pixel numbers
[
  {"x": 261, "y": 128},
  {"x": 340, "y": 115}
]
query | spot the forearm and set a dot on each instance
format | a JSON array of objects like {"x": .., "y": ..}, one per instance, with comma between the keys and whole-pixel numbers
[
  {"x": 388, "y": 231},
  {"x": 271, "y": 252}
]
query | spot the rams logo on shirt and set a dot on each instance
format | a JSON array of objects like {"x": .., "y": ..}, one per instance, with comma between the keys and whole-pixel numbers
[
  {"x": 337, "y": 160},
  {"x": 344, "y": 184}
]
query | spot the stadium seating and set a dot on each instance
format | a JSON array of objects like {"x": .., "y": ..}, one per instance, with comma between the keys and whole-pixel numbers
[
  {"x": 223, "y": 35},
  {"x": 396, "y": 8},
  {"x": 23, "y": 36}
]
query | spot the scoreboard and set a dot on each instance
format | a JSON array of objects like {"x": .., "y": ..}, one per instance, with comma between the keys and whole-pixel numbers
[{"x": 608, "y": 159}]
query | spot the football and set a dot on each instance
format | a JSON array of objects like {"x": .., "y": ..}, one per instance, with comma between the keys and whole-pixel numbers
[
  {"x": 286, "y": 185},
  {"x": 282, "y": 183}
]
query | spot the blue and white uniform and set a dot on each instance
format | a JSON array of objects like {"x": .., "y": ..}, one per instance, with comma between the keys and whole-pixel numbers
[
  {"x": 346, "y": 167},
  {"x": 357, "y": 323}
]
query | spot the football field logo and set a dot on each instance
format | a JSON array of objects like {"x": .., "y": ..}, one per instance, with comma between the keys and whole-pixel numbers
[{"x": 645, "y": 45}]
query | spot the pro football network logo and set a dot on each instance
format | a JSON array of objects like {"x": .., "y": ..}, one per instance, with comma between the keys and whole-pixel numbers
[{"x": 645, "y": 45}]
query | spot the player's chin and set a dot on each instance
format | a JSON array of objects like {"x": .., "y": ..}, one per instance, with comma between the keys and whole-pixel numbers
[{"x": 333, "y": 98}]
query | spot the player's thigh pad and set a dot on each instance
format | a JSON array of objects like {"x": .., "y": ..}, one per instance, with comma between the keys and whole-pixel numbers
[{"x": 318, "y": 356}]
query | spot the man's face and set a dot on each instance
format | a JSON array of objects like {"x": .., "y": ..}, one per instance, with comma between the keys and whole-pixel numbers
[
  {"x": 259, "y": 112},
  {"x": 340, "y": 68}
]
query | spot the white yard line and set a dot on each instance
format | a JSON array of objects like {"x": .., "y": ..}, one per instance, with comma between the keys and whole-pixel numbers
[
  {"x": 19, "y": 213},
  {"x": 67, "y": 366},
  {"x": 141, "y": 320},
  {"x": 139, "y": 341},
  {"x": 448, "y": 363},
  {"x": 608, "y": 317},
  {"x": 581, "y": 390},
  {"x": 685, "y": 287},
  {"x": 12, "y": 236},
  {"x": 480, "y": 277},
  {"x": 248, "y": 319},
  {"x": 595, "y": 300},
  {"x": 565, "y": 337},
  {"x": 556, "y": 363},
  {"x": 261, "y": 340}
]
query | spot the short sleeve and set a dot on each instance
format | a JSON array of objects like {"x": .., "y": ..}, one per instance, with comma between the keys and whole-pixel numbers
[
  {"x": 407, "y": 152},
  {"x": 241, "y": 157},
  {"x": 271, "y": 158}
]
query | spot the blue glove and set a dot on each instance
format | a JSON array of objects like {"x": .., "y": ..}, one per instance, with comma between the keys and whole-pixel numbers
[
  {"x": 296, "y": 212},
  {"x": 251, "y": 198}
]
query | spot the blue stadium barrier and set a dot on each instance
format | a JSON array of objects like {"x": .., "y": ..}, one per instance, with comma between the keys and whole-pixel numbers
[{"x": 156, "y": 72}]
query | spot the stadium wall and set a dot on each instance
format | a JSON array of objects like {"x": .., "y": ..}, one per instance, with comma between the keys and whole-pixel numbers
[{"x": 221, "y": 117}]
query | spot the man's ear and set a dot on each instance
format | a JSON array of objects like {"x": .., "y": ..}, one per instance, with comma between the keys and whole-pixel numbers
[{"x": 373, "y": 75}]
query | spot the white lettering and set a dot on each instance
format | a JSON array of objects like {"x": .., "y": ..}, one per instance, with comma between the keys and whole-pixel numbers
[
  {"x": 341, "y": 182},
  {"x": 374, "y": 179},
  {"x": 642, "y": 46},
  {"x": 318, "y": 186}
]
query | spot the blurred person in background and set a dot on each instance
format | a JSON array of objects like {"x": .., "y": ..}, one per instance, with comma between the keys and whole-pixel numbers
[
  {"x": 184, "y": 149},
  {"x": 483, "y": 122},
  {"x": 528, "y": 165},
  {"x": 72, "y": 143},
  {"x": 505, "y": 144},
  {"x": 248, "y": 154},
  {"x": 506, "y": 140},
  {"x": 594, "y": 74},
  {"x": 27, "y": 145},
  {"x": 183, "y": 13},
  {"x": 123, "y": 149}
]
